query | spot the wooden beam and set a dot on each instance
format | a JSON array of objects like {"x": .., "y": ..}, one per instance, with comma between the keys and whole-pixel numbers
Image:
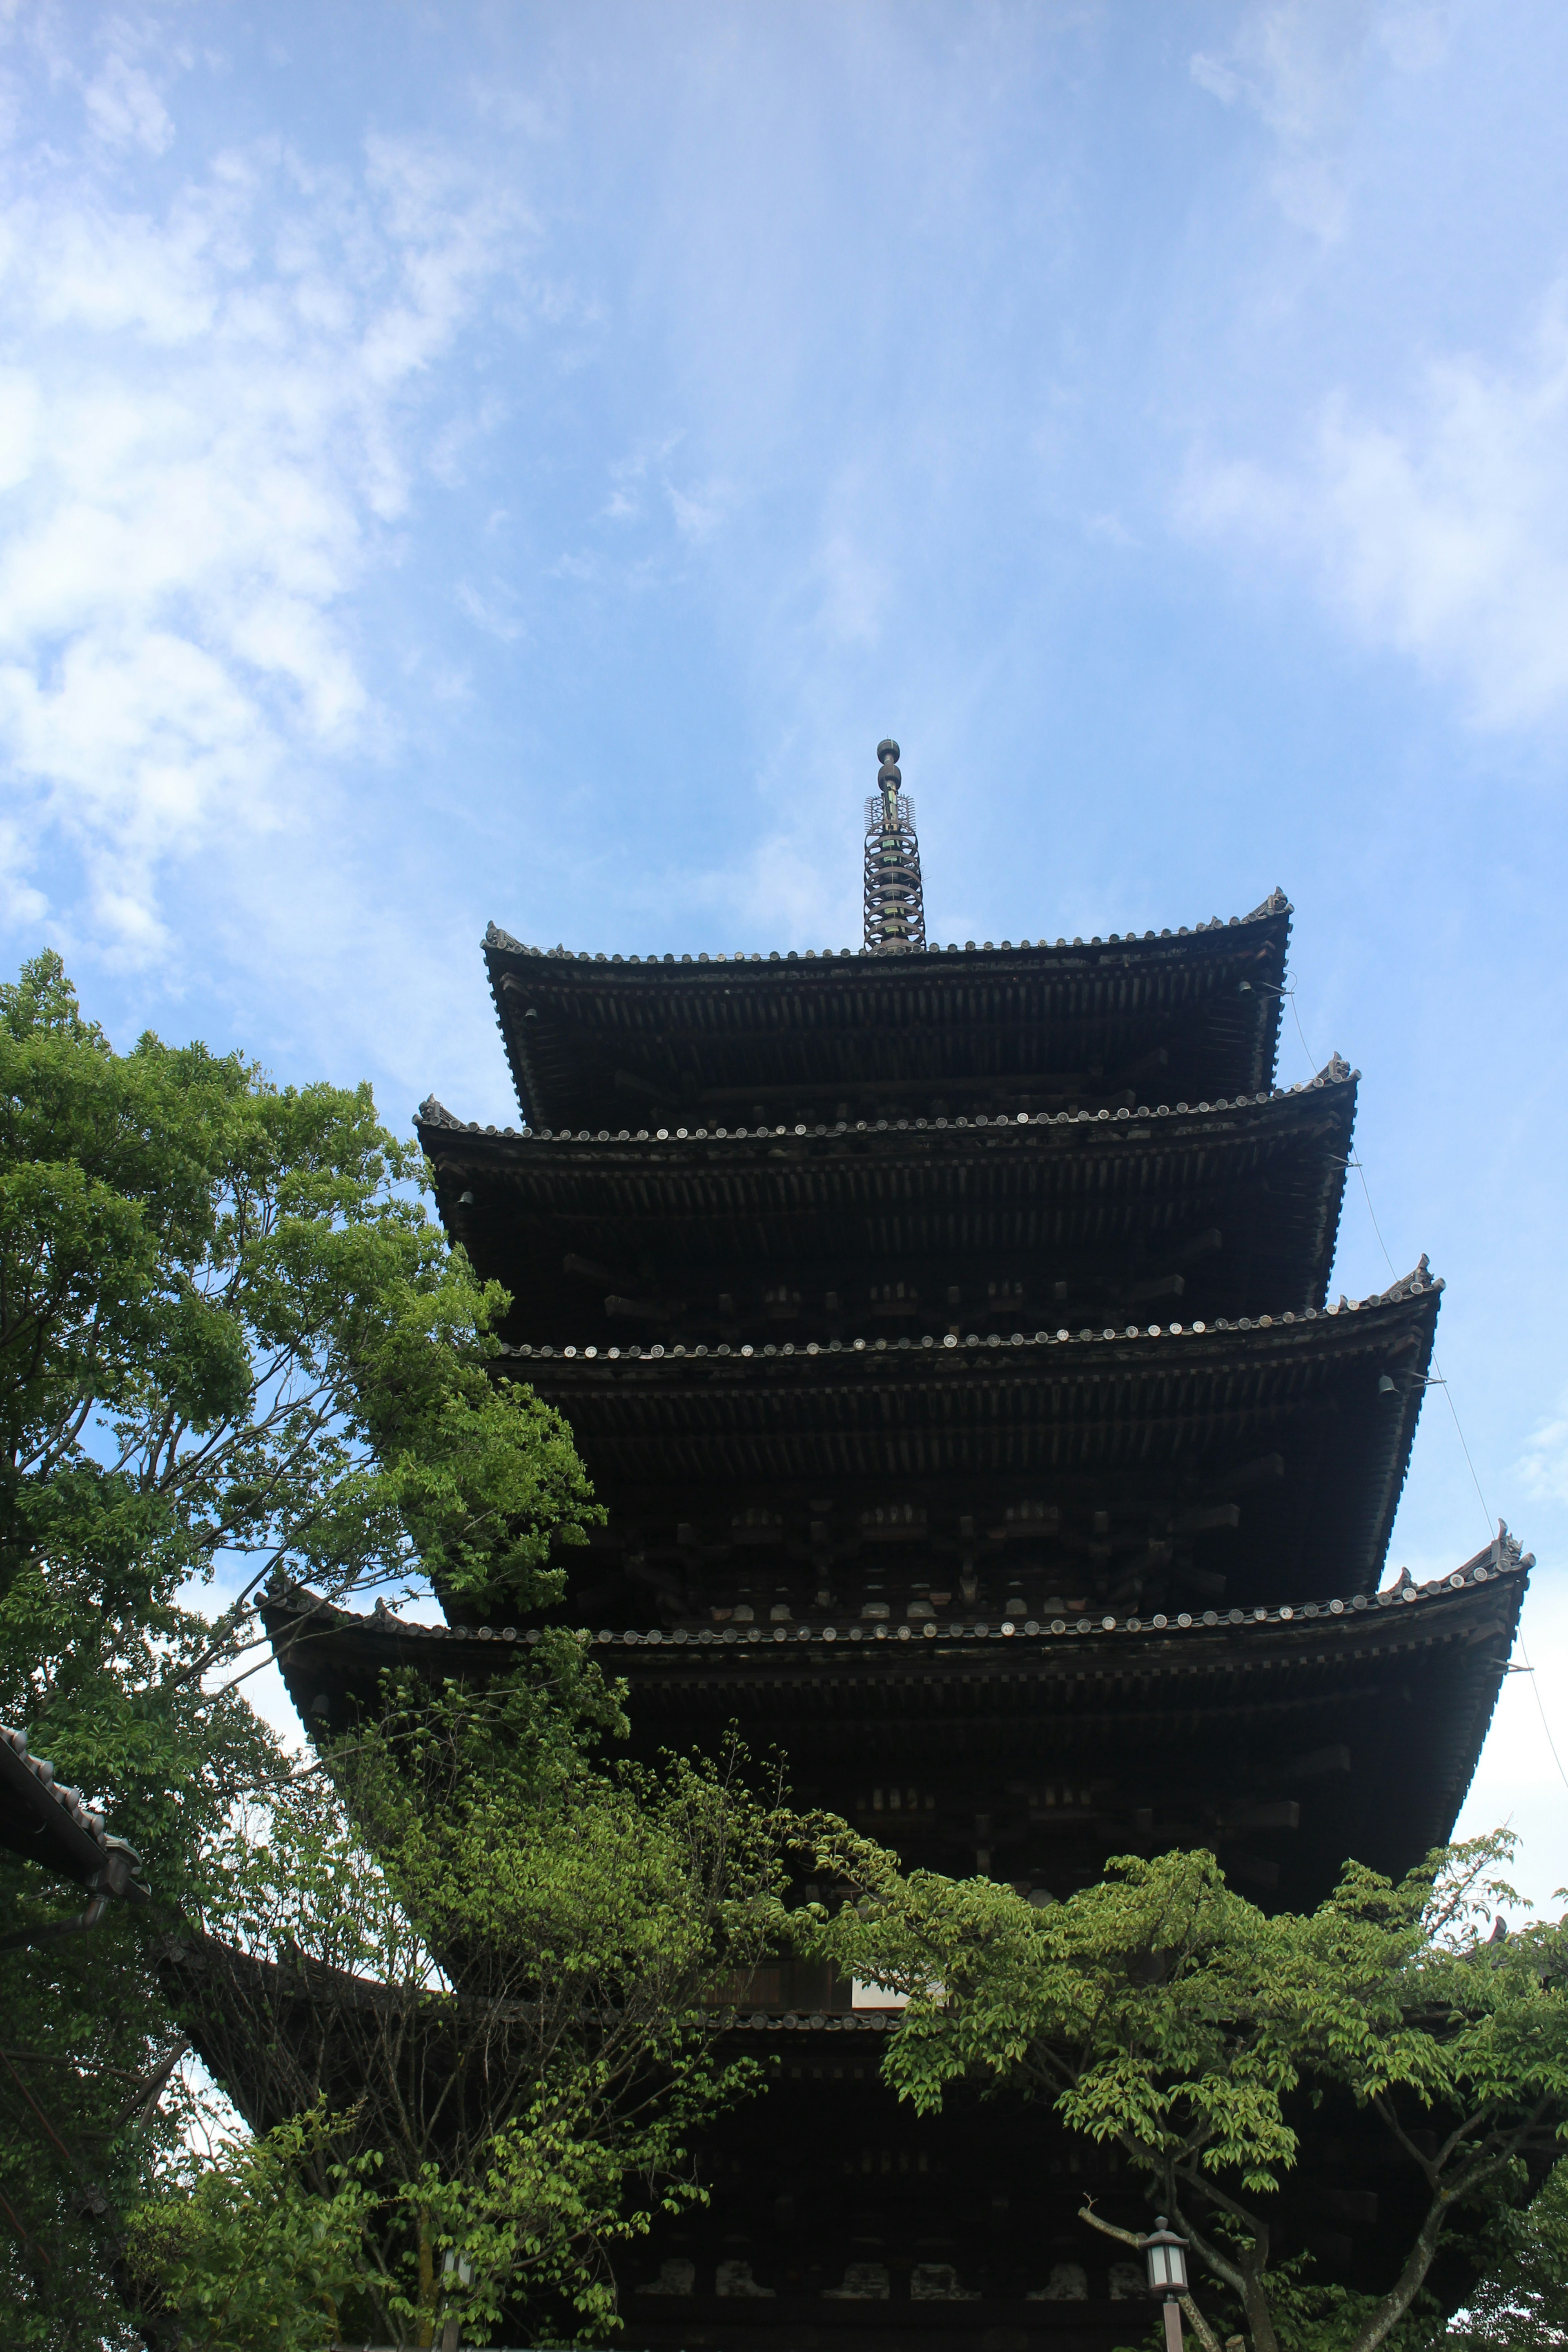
[{"x": 590, "y": 1269}]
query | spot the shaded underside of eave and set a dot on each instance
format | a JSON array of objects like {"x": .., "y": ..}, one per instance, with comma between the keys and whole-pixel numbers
[
  {"x": 1111, "y": 1409},
  {"x": 1269, "y": 1174},
  {"x": 42, "y": 1822},
  {"x": 274, "y": 2034},
  {"x": 918, "y": 1019},
  {"x": 1253, "y": 1690},
  {"x": 1219, "y": 1692},
  {"x": 36, "y": 1830}
]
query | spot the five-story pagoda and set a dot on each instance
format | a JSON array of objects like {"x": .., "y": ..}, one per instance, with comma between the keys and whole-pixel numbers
[{"x": 947, "y": 1332}]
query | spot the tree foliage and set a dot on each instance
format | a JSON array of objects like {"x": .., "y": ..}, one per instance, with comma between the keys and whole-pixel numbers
[
  {"x": 1521, "y": 2305},
  {"x": 231, "y": 1343},
  {"x": 1162, "y": 2012},
  {"x": 496, "y": 2022},
  {"x": 261, "y": 2249}
]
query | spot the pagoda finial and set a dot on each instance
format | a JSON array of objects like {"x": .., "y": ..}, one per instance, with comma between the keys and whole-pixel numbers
[{"x": 895, "y": 904}]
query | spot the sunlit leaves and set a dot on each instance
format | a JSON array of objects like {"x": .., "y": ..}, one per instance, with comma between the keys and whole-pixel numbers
[
  {"x": 1164, "y": 2013},
  {"x": 501, "y": 1943},
  {"x": 232, "y": 1344}
]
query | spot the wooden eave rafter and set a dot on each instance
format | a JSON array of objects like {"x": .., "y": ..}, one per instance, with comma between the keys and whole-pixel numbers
[
  {"x": 1035, "y": 1406},
  {"x": 1193, "y": 1685},
  {"x": 816, "y": 1026},
  {"x": 883, "y": 1197}
]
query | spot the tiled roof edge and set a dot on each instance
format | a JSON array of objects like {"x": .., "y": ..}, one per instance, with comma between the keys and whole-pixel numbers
[
  {"x": 1335, "y": 1073},
  {"x": 119, "y": 1860},
  {"x": 499, "y": 942},
  {"x": 1417, "y": 1283},
  {"x": 1502, "y": 1558}
]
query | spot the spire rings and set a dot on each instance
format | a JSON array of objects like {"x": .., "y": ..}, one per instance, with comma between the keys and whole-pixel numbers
[{"x": 894, "y": 895}]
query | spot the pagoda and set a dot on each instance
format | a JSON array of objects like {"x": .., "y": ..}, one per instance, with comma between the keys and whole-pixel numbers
[{"x": 947, "y": 1332}]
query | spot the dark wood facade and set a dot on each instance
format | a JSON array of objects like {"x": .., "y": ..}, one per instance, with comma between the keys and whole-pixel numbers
[
  {"x": 607, "y": 1041},
  {"x": 1032, "y": 1751},
  {"x": 949, "y": 1337}
]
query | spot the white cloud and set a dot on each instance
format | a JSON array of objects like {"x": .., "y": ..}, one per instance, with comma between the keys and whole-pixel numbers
[
  {"x": 20, "y": 904},
  {"x": 493, "y": 609},
  {"x": 699, "y": 511},
  {"x": 20, "y": 417},
  {"x": 1519, "y": 1779},
  {"x": 1297, "y": 65},
  {"x": 630, "y": 478},
  {"x": 1301, "y": 66},
  {"x": 784, "y": 886},
  {"x": 207, "y": 446},
  {"x": 125, "y": 109},
  {"x": 1440, "y": 533}
]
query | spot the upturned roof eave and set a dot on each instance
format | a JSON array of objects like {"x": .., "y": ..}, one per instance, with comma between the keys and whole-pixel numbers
[
  {"x": 305, "y": 1630},
  {"x": 511, "y": 964},
  {"x": 1407, "y": 1308},
  {"x": 1273, "y": 913},
  {"x": 440, "y": 1130}
]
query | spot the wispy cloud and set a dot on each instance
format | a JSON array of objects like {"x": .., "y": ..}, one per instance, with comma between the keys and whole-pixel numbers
[
  {"x": 1300, "y": 65},
  {"x": 211, "y": 441},
  {"x": 494, "y": 608},
  {"x": 1439, "y": 531},
  {"x": 647, "y": 487},
  {"x": 1297, "y": 65}
]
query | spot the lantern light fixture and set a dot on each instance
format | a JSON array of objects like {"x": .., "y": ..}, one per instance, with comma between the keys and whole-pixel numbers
[
  {"x": 1166, "y": 2255},
  {"x": 1167, "y": 2259}
]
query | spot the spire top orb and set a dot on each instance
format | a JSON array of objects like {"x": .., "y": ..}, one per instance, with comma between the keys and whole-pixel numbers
[{"x": 895, "y": 905}]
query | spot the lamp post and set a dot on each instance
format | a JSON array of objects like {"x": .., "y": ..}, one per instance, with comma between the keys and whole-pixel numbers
[{"x": 1166, "y": 2255}]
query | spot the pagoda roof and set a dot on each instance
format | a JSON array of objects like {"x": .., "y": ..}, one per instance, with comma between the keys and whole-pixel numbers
[
  {"x": 1263, "y": 1174},
  {"x": 590, "y": 1037},
  {"x": 1371, "y": 1709},
  {"x": 277, "y": 2035},
  {"x": 1124, "y": 1408}
]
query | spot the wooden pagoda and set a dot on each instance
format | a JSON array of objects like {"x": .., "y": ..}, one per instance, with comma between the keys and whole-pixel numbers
[{"x": 947, "y": 1331}]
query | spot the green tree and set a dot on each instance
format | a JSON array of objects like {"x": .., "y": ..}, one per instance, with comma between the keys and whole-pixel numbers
[
  {"x": 1521, "y": 2305},
  {"x": 262, "y": 2249},
  {"x": 495, "y": 2017},
  {"x": 1160, "y": 2012},
  {"x": 232, "y": 1343}
]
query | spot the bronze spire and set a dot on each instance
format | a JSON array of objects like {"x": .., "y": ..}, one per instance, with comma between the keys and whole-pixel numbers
[{"x": 895, "y": 905}]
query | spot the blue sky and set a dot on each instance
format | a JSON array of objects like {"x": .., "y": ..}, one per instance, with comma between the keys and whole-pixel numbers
[{"x": 503, "y": 461}]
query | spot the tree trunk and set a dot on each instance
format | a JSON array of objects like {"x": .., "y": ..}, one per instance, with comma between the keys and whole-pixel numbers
[
  {"x": 1198, "y": 2324},
  {"x": 426, "y": 2283},
  {"x": 1259, "y": 2318},
  {"x": 1407, "y": 2285}
]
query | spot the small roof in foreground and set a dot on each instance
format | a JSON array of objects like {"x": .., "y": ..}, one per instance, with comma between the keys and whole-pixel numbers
[{"x": 49, "y": 1823}]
